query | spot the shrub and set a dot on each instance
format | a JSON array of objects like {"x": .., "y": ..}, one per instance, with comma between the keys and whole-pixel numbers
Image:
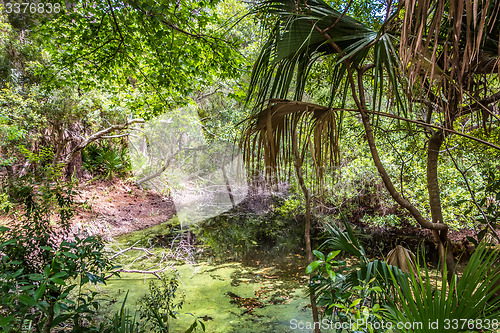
[
  {"x": 43, "y": 274},
  {"x": 158, "y": 307},
  {"x": 105, "y": 160},
  {"x": 466, "y": 304}
]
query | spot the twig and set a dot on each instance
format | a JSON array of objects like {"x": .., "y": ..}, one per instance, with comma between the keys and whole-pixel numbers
[{"x": 473, "y": 197}]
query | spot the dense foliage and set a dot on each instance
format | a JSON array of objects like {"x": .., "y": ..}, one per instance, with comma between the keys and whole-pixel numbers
[{"x": 368, "y": 112}]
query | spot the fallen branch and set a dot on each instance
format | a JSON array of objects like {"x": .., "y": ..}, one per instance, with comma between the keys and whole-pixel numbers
[
  {"x": 155, "y": 272},
  {"x": 166, "y": 259},
  {"x": 132, "y": 248}
]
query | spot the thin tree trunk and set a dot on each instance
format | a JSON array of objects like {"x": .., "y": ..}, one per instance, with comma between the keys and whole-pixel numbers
[
  {"x": 50, "y": 319},
  {"x": 307, "y": 229},
  {"x": 438, "y": 227},
  {"x": 441, "y": 236}
]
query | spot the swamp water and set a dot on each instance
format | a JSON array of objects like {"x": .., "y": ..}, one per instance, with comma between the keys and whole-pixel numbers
[{"x": 227, "y": 297}]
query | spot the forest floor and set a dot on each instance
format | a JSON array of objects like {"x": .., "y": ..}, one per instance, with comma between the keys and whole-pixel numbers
[{"x": 113, "y": 208}]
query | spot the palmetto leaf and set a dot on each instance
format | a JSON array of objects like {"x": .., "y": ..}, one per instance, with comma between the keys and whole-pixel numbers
[
  {"x": 345, "y": 240},
  {"x": 418, "y": 300},
  {"x": 304, "y": 34}
]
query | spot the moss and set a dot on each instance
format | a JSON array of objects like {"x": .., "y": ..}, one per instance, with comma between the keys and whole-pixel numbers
[{"x": 155, "y": 233}]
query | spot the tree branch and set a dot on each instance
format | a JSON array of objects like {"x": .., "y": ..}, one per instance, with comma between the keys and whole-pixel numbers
[
  {"x": 166, "y": 165},
  {"x": 96, "y": 136}
]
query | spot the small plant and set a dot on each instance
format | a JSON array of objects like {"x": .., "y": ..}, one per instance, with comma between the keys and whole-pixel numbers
[
  {"x": 158, "y": 307},
  {"x": 105, "y": 160},
  {"x": 122, "y": 322},
  {"x": 5, "y": 204},
  {"x": 360, "y": 316},
  {"x": 351, "y": 294},
  {"x": 463, "y": 305}
]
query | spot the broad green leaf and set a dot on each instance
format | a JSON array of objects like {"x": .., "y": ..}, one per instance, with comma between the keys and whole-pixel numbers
[
  {"x": 331, "y": 274},
  {"x": 40, "y": 291},
  {"x": 4, "y": 322},
  {"x": 332, "y": 255},
  {"x": 355, "y": 302},
  {"x": 319, "y": 254},
  {"x": 36, "y": 277},
  {"x": 27, "y": 300},
  {"x": 312, "y": 266},
  {"x": 70, "y": 255}
]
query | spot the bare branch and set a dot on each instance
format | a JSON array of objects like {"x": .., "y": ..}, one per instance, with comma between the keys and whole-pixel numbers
[
  {"x": 130, "y": 249},
  {"x": 166, "y": 165},
  {"x": 97, "y": 136}
]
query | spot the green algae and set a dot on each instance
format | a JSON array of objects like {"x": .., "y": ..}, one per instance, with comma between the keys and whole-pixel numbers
[
  {"x": 273, "y": 279},
  {"x": 206, "y": 287}
]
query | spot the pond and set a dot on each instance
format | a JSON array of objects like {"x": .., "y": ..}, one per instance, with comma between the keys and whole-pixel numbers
[{"x": 228, "y": 296}]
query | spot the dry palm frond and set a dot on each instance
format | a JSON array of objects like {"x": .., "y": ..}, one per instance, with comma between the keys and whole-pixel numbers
[
  {"x": 448, "y": 47},
  {"x": 269, "y": 135},
  {"x": 402, "y": 258}
]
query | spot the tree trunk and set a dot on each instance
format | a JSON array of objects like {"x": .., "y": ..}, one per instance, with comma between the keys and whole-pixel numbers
[
  {"x": 50, "y": 319},
  {"x": 75, "y": 167},
  {"x": 439, "y": 229},
  {"x": 307, "y": 228},
  {"x": 445, "y": 249}
]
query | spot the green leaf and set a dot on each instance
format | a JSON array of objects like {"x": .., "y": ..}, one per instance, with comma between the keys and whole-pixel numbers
[
  {"x": 4, "y": 322},
  {"x": 355, "y": 302},
  {"x": 60, "y": 319},
  {"x": 319, "y": 254},
  {"x": 57, "y": 309},
  {"x": 332, "y": 255},
  {"x": 192, "y": 327},
  {"x": 40, "y": 291},
  {"x": 312, "y": 266},
  {"x": 70, "y": 255},
  {"x": 36, "y": 277},
  {"x": 58, "y": 281},
  {"x": 58, "y": 275},
  {"x": 27, "y": 300},
  {"x": 331, "y": 274}
]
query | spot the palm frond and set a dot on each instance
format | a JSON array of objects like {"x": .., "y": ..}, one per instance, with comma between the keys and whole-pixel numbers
[
  {"x": 303, "y": 34},
  {"x": 450, "y": 46},
  {"x": 346, "y": 241},
  {"x": 269, "y": 133},
  {"x": 471, "y": 298}
]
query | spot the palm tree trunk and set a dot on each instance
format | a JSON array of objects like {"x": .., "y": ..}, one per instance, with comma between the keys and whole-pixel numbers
[{"x": 441, "y": 236}]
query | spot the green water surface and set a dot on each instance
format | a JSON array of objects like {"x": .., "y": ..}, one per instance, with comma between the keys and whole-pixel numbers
[{"x": 206, "y": 286}]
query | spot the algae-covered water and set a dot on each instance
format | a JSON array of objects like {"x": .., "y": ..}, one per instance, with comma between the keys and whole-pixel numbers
[{"x": 281, "y": 298}]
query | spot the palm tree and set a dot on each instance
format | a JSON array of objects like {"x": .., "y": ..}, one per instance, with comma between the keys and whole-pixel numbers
[{"x": 444, "y": 60}]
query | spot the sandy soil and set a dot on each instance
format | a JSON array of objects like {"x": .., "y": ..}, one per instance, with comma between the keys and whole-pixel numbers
[{"x": 112, "y": 208}]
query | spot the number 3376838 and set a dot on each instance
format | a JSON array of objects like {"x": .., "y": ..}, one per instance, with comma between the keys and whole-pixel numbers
[{"x": 32, "y": 7}]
